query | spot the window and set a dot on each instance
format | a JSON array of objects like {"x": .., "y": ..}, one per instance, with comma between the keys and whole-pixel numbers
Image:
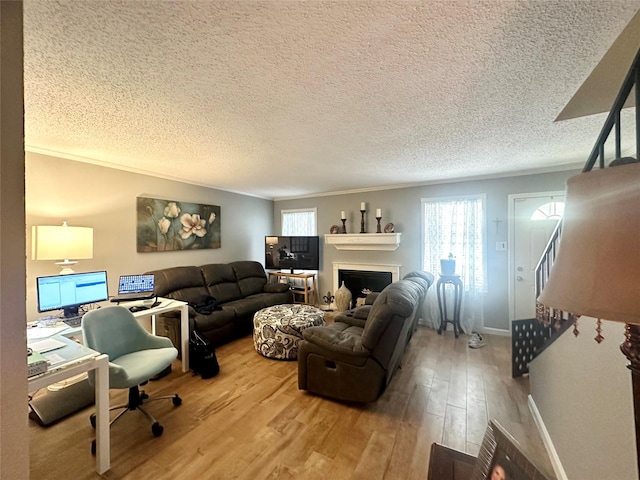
[
  {"x": 299, "y": 222},
  {"x": 549, "y": 211},
  {"x": 456, "y": 226}
]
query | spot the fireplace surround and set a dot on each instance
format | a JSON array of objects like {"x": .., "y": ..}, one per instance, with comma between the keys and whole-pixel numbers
[{"x": 358, "y": 276}]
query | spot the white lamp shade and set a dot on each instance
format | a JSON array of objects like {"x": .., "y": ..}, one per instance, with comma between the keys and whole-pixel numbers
[
  {"x": 272, "y": 240},
  {"x": 61, "y": 242},
  {"x": 597, "y": 268}
]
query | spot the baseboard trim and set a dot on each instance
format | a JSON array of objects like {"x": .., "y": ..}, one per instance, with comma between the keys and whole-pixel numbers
[
  {"x": 496, "y": 331},
  {"x": 546, "y": 440}
]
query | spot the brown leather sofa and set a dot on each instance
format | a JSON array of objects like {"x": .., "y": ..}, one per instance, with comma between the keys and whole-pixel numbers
[
  {"x": 240, "y": 289},
  {"x": 355, "y": 358}
]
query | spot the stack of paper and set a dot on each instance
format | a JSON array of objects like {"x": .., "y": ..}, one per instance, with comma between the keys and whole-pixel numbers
[{"x": 36, "y": 364}]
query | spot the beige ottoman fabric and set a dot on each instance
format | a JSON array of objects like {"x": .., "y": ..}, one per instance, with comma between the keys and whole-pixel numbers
[{"x": 277, "y": 330}]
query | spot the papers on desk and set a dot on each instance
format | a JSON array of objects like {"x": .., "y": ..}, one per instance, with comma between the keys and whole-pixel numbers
[
  {"x": 43, "y": 332},
  {"x": 46, "y": 345},
  {"x": 54, "y": 358}
]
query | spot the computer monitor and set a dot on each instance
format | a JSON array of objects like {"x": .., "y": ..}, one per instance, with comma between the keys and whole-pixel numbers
[{"x": 68, "y": 292}]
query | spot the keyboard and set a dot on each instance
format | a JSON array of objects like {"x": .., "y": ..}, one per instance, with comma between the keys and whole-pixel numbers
[
  {"x": 72, "y": 321},
  {"x": 130, "y": 297}
]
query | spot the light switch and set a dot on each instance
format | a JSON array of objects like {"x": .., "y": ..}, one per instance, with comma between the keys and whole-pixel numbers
[{"x": 501, "y": 246}]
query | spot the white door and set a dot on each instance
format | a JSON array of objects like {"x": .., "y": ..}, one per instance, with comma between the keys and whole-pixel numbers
[{"x": 534, "y": 217}]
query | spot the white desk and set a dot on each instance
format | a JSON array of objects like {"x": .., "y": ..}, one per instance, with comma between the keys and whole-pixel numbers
[
  {"x": 79, "y": 359},
  {"x": 169, "y": 305},
  {"x": 166, "y": 305}
]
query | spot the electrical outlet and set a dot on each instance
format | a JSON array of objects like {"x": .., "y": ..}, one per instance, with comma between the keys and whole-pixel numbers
[{"x": 501, "y": 246}]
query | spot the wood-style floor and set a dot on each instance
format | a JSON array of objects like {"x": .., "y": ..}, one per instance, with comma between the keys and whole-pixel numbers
[{"x": 252, "y": 422}]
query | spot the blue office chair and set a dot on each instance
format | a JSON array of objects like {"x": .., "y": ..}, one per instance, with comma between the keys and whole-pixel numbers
[{"x": 135, "y": 356}]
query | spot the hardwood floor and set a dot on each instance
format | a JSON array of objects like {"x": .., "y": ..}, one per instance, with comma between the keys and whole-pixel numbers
[{"x": 252, "y": 422}]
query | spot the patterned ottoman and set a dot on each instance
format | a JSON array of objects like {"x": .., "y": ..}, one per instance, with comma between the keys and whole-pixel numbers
[{"x": 277, "y": 330}]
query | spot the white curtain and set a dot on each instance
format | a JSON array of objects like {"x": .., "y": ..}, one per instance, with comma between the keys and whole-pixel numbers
[
  {"x": 457, "y": 226},
  {"x": 299, "y": 222}
]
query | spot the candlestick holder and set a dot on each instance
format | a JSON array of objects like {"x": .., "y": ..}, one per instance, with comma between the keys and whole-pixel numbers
[
  {"x": 378, "y": 230},
  {"x": 344, "y": 227},
  {"x": 362, "y": 222}
]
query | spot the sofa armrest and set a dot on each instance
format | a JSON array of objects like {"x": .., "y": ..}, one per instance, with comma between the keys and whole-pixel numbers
[
  {"x": 356, "y": 316},
  {"x": 370, "y": 298},
  {"x": 362, "y": 313},
  {"x": 275, "y": 287},
  {"x": 339, "y": 338}
]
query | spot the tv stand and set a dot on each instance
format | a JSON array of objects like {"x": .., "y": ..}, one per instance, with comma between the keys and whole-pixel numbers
[{"x": 306, "y": 291}]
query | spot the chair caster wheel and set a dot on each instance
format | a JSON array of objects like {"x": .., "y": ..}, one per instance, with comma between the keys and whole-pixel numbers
[
  {"x": 92, "y": 420},
  {"x": 93, "y": 447},
  {"x": 157, "y": 429},
  {"x": 177, "y": 401}
]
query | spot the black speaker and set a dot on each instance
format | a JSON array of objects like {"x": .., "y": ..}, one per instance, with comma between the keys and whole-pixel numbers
[{"x": 55, "y": 405}]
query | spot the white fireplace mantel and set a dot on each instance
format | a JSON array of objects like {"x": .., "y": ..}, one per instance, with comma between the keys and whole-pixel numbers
[
  {"x": 394, "y": 269},
  {"x": 363, "y": 241}
]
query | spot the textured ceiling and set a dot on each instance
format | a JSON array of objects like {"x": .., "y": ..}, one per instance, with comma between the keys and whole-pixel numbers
[{"x": 288, "y": 98}]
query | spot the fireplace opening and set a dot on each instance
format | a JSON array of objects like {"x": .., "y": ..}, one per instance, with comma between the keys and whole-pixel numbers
[{"x": 358, "y": 280}]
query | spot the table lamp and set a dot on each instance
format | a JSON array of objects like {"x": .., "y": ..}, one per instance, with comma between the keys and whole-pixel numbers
[
  {"x": 61, "y": 242},
  {"x": 596, "y": 271}
]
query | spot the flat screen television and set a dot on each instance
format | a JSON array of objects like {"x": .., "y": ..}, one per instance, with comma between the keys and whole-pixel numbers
[
  {"x": 292, "y": 252},
  {"x": 68, "y": 292}
]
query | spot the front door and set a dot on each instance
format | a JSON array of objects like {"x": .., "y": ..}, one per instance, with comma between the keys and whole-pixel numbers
[{"x": 534, "y": 218}]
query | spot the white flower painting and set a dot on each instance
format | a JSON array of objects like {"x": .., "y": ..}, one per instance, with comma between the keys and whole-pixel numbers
[{"x": 169, "y": 225}]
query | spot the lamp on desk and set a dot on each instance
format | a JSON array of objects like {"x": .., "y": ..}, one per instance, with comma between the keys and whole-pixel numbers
[
  {"x": 61, "y": 242},
  {"x": 271, "y": 241},
  {"x": 595, "y": 272}
]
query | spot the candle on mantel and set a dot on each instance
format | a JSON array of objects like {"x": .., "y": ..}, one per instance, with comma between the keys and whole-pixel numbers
[
  {"x": 363, "y": 206},
  {"x": 378, "y": 213},
  {"x": 343, "y": 215}
]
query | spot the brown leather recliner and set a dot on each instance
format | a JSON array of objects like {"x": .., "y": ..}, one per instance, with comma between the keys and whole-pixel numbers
[{"x": 350, "y": 361}]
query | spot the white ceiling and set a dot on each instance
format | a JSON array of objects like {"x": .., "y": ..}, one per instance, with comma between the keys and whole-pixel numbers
[{"x": 290, "y": 98}]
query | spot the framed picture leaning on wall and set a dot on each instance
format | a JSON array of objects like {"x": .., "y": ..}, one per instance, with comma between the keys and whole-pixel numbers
[{"x": 501, "y": 458}]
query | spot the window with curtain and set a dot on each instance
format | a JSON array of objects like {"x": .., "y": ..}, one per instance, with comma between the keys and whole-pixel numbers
[
  {"x": 299, "y": 222},
  {"x": 456, "y": 226}
]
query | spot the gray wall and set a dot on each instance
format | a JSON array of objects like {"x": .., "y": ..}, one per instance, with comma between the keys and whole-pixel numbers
[
  {"x": 105, "y": 199},
  {"x": 402, "y": 208},
  {"x": 583, "y": 392}
]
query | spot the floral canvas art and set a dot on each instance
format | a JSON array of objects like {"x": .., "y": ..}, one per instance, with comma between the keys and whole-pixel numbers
[{"x": 169, "y": 225}]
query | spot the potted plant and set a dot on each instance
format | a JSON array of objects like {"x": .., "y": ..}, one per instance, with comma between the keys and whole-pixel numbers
[{"x": 448, "y": 265}]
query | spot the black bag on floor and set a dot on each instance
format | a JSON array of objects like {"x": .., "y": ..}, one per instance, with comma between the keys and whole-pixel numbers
[{"x": 202, "y": 356}]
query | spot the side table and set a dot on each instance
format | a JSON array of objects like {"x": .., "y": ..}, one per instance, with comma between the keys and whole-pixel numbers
[
  {"x": 307, "y": 292},
  {"x": 442, "y": 302}
]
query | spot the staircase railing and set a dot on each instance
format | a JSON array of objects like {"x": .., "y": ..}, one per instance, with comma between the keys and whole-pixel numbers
[{"x": 552, "y": 323}]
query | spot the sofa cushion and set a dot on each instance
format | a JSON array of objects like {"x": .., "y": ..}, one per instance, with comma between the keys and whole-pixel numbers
[
  {"x": 271, "y": 299},
  {"x": 276, "y": 287},
  {"x": 339, "y": 338},
  {"x": 181, "y": 283},
  {"x": 220, "y": 281},
  {"x": 245, "y": 307},
  {"x": 250, "y": 276},
  {"x": 214, "y": 320}
]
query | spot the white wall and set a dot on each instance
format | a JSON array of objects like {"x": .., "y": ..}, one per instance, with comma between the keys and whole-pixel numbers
[
  {"x": 402, "y": 208},
  {"x": 60, "y": 190},
  {"x": 583, "y": 392}
]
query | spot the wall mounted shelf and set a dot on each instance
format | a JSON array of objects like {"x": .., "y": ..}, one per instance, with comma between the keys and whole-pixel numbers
[{"x": 363, "y": 241}]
